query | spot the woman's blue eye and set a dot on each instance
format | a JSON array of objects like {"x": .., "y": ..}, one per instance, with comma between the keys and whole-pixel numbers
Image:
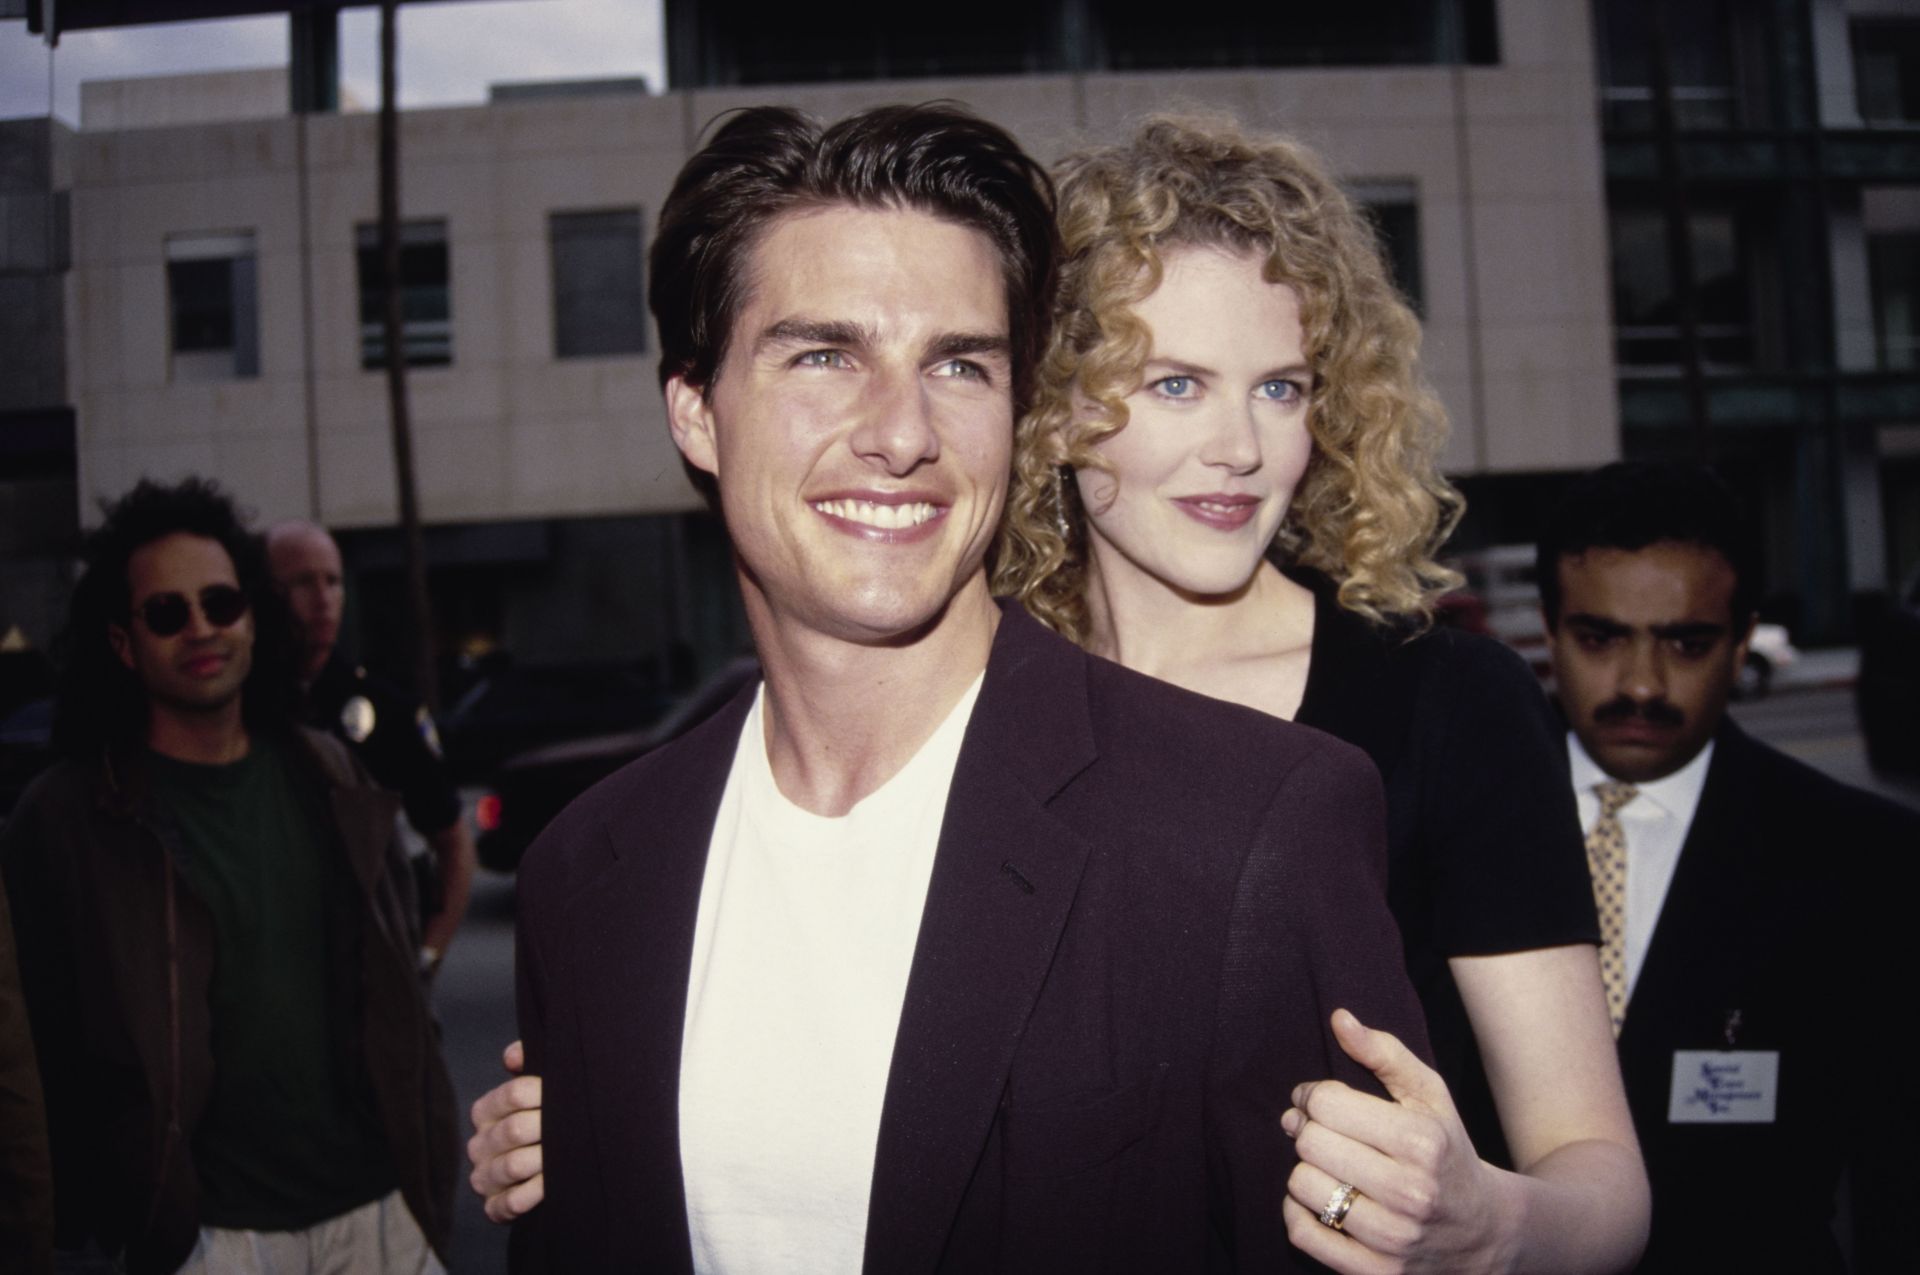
[
  {"x": 1280, "y": 391},
  {"x": 1174, "y": 386}
]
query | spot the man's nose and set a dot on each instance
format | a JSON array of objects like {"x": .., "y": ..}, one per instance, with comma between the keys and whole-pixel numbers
[
  {"x": 896, "y": 430},
  {"x": 1643, "y": 677},
  {"x": 199, "y": 627}
]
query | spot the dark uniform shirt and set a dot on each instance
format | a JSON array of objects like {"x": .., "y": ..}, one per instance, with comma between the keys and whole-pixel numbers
[{"x": 393, "y": 735}]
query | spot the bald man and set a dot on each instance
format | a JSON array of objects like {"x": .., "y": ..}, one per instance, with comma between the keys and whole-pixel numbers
[{"x": 393, "y": 734}]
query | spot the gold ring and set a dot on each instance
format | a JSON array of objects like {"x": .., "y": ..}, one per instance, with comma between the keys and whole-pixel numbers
[{"x": 1339, "y": 1204}]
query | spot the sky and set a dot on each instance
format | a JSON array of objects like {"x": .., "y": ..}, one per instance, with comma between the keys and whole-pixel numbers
[{"x": 449, "y": 52}]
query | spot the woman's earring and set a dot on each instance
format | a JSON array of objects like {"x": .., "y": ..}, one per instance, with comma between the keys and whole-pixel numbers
[{"x": 1060, "y": 521}]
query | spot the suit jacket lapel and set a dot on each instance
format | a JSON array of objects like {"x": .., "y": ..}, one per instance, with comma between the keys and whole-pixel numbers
[
  {"x": 631, "y": 993},
  {"x": 1004, "y": 878},
  {"x": 1699, "y": 890}
]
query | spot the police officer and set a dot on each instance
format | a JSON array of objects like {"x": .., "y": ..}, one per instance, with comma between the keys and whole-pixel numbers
[{"x": 393, "y": 733}]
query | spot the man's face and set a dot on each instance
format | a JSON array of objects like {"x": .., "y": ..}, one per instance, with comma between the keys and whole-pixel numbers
[
  {"x": 861, "y": 425},
  {"x": 203, "y": 666},
  {"x": 1646, "y": 648},
  {"x": 307, "y": 571}
]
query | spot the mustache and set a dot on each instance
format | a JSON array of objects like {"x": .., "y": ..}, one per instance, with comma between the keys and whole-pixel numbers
[{"x": 1655, "y": 712}]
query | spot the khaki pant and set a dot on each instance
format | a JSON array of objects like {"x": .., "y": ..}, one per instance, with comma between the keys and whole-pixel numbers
[{"x": 380, "y": 1238}]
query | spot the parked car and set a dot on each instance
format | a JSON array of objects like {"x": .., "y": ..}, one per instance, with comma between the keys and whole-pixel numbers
[
  {"x": 1501, "y": 601},
  {"x": 1887, "y": 690},
  {"x": 1769, "y": 650},
  {"x": 512, "y": 707},
  {"x": 530, "y": 788}
]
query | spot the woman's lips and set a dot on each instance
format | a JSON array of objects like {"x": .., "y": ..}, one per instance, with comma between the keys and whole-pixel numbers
[{"x": 1225, "y": 512}]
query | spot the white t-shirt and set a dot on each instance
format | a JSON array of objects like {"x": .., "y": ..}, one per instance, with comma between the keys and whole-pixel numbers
[
  {"x": 1655, "y": 824},
  {"x": 805, "y": 936}
]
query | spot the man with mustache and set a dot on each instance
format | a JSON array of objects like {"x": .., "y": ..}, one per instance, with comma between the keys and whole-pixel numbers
[{"x": 1749, "y": 906}]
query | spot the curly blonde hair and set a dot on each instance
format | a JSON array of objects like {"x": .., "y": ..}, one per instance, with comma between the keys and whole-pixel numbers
[{"x": 1372, "y": 506}]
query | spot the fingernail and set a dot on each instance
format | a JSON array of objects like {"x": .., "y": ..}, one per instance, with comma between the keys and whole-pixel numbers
[{"x": 1292, "y": 1121}]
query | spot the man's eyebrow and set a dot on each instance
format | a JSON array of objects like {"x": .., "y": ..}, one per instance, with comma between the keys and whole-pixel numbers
[
  {"x": 954, "y": 345},
  {"x": 1598, "y": 623},
  {"x": 804, "y": 331},
  {"x": 1688, "y": 629}
]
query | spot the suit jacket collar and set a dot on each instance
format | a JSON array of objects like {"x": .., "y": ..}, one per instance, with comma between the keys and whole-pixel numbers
[
  {"x": 640, "y": 908},
  {"x": 1004, "y": 877}
]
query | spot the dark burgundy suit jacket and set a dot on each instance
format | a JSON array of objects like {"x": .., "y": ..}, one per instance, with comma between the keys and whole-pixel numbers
[{"x": 1143, "y": 908}]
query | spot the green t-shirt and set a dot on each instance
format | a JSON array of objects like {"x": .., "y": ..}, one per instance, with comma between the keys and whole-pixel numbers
[{"x": 289, "y": 1137}]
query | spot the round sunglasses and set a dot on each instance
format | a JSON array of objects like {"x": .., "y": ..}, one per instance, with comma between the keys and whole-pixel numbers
[{"x": 165, "y": 614}]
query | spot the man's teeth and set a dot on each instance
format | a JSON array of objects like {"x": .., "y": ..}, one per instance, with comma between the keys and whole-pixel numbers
[{"x": 886, "y": 517}]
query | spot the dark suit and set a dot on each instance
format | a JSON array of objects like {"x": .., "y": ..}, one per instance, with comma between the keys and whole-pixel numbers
[
  {"x": 1144, "y": 906},
  {"x": 1783, "y": 909}
]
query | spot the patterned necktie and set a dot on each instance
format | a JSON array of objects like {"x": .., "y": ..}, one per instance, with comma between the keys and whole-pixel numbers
[{"x": 1607, "y": 860}]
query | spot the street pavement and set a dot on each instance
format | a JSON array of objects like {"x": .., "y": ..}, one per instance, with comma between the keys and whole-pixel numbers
[{"x": 1810, "y": 715}]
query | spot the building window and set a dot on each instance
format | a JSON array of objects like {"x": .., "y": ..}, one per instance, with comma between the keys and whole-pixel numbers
[
  {"x": 745, "y": 42},
  {"x": 1395, "y": 210},
  {"x": 598, "y": 304},
  {"x": 1886, "y": 71},
  {"x": 1893, "y": 265},
  {"x": 426, "y": 335},
  {"x": 1716, "y": 56},
  {"x": 213, "y": 306},
  {"x": 1225, "y": 33},
  {"x": 1646, "y": 310}
]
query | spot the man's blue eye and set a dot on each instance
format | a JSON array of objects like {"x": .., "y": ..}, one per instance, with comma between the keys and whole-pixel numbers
[
  {"x": 821, "y": 358},
  {"x": 963, "y": 369}
]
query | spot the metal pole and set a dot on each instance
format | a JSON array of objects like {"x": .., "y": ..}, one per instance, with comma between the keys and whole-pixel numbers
[{"x": 426, "y": 684}]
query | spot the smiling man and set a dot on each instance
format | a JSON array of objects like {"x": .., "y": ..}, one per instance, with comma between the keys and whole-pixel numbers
[
  {"x": 1750, "y": 907},
  {"x": 946, "y": 947},
  {"x": 216, "y": 937}
]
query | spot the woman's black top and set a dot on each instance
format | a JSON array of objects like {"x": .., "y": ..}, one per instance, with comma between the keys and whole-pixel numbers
[{"x": 1484, "y": 852}]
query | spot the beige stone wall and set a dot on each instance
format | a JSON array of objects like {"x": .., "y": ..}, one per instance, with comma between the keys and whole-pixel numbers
[{"x": 1505, "y": 160}]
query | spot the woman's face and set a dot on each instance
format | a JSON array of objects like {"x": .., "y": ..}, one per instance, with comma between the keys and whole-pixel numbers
[{"x": 1216, "y": 438}]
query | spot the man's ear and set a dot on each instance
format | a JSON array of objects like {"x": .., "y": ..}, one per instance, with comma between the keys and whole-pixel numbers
[
  {"x": 690, "y": 419},
  {"x": 121, "y": 643}
]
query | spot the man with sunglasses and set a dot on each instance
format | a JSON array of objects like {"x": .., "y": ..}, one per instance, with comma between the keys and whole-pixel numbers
[
  {"x": 216, "y": 934},
  {"x": 390, "y": 731}
]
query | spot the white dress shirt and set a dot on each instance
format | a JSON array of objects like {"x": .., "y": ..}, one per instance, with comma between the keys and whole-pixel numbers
[{"x": 1655, "y": 825}]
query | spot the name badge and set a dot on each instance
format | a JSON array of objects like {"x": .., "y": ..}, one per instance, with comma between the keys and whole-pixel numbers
[{"x": 1733, "y": 1086}]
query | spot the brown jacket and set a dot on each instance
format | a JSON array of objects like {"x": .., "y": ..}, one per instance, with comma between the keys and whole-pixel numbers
[
  {"x": 116, "y": 956},
  {"x": 26, "y": 1182}
]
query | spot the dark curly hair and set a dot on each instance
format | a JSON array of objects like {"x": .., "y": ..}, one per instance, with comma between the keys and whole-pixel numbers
[{"x": 100, "y": 702}]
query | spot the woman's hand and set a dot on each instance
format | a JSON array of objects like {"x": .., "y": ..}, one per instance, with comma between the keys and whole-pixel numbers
[
  {"x": 1426, "y": 1200},
  {"x": 505, "y": 1147}
]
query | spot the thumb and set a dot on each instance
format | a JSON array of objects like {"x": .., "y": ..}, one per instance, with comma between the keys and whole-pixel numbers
[{"x": 1408, "y": 1081}]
